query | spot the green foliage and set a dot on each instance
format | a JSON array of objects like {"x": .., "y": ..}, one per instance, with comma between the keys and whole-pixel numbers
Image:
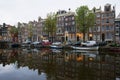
[
  {"x": 84, "y": 19},
  {"x": 30, "y": 30},
  {"x": 14, "y": 30},
  {"x": 115, "y": 45},
  {"x": 50, "y": 23}
]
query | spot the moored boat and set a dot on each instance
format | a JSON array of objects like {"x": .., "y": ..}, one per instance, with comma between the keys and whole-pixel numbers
[
  {"x": 56, "y": 45},
  {"x": 86, "y": 48}
]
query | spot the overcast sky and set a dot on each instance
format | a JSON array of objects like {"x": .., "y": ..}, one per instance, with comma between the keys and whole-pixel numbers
[{"x": 13, "y": 11}]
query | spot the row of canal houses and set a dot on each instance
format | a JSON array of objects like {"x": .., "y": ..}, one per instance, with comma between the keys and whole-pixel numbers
[
  {"x": 106, "y": 27},
  {"x": 6, "y": 35}
]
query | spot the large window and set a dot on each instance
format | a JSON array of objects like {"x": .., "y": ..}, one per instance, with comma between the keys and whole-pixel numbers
[
  {"x": 98, "y": 21},
  {"x": 73, "y": 18},
  {"x": 103, "y": 28},
  {"x": 107, "y": 20},
  {"x": 98, "y": 15},
  {"x": 66, "y": 19},
  {"x": 103, "y": 21},
  {"x": 111, "y": 20},
  {"x": 109, "y": 36},
  {"x": 107, "y": 28},
  {"x": 73, "y": 23}
]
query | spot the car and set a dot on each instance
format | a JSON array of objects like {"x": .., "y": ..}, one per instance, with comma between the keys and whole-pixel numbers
[{"x": 88, "y": 43}]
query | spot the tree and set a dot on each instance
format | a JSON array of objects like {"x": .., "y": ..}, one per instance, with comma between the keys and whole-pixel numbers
[
  {"x": 14, "y": 33},
  {"x": 84, "y": 19},
  {"x": 50, "y": 25},
  {"x": 30, "y": 31}
]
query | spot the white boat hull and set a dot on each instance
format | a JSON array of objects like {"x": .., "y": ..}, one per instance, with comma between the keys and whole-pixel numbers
[
  {"x": 56, "y": 47},
  {"x": 85, "y": 48}
]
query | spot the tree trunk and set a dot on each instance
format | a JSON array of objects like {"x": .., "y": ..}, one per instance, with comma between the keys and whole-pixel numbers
[{"x": 83, "y": 36}]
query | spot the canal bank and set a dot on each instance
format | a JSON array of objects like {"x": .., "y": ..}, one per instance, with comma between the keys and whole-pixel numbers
[{"x": 109, "y": 49}]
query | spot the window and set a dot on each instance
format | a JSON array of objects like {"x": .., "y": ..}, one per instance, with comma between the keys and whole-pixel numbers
[
  {"x": 111, "y": 21},
  {"x": 98, "y": 29},
  {"x": 66, "y": 19},
  {"x": 103, "y": 21},
  {"x": 73, "y": 18},
  {"x": 103, "y": 15},
  {"x": 112, "y": 14},
  {"x": 62, "y": 24},
  {"x": 70, "y": 18},
  {"x": 66, "y": 24},
  {"x": 107, "y": 28},
  {"x": 62, "y": 18},
  {"x": 107, "y": 20},
  {"x": 59, "y": 31},
  {"x": 103, "y": 28},
  {"x": 109, "y": 35},
  {"x": 98, "y": 21},
  {"x": 73, "y": 22},
  {"x": 107, "y": 15},
  {"x": 98, "y": 15},
  {"x": 112, "y": 28},
  {"x": 59, "y": 19}
]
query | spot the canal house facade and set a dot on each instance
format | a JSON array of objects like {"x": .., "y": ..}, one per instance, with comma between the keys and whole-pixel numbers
[
  {"x": 66, "y": 29},
  {"x": 117, "y": 29},
  {"x": 104, "y": 28}
]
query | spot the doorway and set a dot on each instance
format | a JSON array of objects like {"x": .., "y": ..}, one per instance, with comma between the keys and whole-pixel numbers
[{"x": 103, "y": 37}]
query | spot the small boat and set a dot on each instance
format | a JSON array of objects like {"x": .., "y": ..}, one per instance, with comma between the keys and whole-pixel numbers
[
  {"x": 56, "y": 45},
  {"x": 92, "y": 48}
]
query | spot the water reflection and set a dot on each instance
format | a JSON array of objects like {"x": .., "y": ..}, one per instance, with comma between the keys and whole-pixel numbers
[{"x": 57, "y": 64}]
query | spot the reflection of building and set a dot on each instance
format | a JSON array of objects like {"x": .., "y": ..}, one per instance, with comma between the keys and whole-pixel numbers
[
  {"x": 68, "y": 65},
  {"x": 86, "y": 66},
  {"x": 104, "y": 25},
  {"x": 117, "y": 29},
  {"x": 117, "y": 69},
  {"x": 66, "y": 26}
]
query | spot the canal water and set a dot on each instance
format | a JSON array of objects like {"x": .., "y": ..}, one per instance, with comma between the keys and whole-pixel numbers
[{"x": 57, "y": 64}]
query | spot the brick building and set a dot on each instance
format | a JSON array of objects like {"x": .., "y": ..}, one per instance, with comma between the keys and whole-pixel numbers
[
  {"x": 117, "y": 29},
  {"x": 104, "y": 28},
  {"x": 66, "y": 30}
]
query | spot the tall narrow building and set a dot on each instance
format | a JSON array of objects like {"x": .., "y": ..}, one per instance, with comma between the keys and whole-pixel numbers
[
  {"x": 66, "y": 30},
  {"x": 117, "y": 29},
  {"x": 104, "y": 28}
]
